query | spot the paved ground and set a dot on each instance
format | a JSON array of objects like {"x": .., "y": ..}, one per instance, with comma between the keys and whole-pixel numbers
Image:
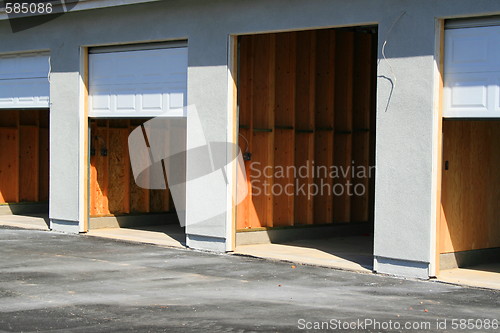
[{"x": 56, "y": 282}]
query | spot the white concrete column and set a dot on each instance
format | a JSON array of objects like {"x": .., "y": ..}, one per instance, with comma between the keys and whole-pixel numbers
[
  {"x": 206, "y": 204},
  {"x": 65, "y": 143},
  {"x": 404, "y": 224}
]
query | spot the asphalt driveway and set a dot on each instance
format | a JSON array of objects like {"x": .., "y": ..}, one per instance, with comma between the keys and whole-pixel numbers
[{"x": 75, "y": 283}]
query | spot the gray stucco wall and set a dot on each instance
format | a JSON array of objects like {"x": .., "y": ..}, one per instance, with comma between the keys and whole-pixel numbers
[{"x": 404, "y": 225}]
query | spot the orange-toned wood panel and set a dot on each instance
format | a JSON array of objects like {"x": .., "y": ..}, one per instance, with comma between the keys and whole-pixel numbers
[
  {"x": 245, "y": 79},
  {"x": 99, "y": 204},
  {"x": 304, "y": 123},
  {"x": 139, "y": 197},
  {"x": 284, "y": 180},
  {"x": 118, "y": 171},
  {"x": 325, "y": 79},
  {"x": 323, "y": 160},
  {"x": 342, "y": 182},
  {"x": 263, "y": 81},
  {"x": 284, "y": 110},
  {"x": 24, "y": 161},
  {"x": 246, "y": 215},
  {"x": 324, "y": 125},
  {"x": 323, "y": 104},
  {"x": 470, "y": 201},
  {"x": 113, "y": 190},
  {"x": 262, "y": 181},
  {"x": 304, "y": 155},
  {"x": 257, "y": 104},
  {"x": 305, "y": 80},
  {"x": 360, "y": 205},
  {"x": 28, "y": 163},
  {"x": 9, "y": 165},
  {"x": 284, "y": 134}
]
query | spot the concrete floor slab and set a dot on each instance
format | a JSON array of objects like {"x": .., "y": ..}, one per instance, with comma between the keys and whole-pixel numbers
[
  {"x": 69, "y": 283},
  {"x": 166, "y": 235},
  {"x": 350, "y": 253},
  {"x": 36, "y": 222},
  {"x": 483, "y": 276}
]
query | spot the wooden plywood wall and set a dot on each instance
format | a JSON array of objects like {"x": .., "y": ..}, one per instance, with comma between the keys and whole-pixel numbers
[
  {"x": 470, "y": 202},
  {"x": 305, "y": 97},
  {"x": 113, "y": 190},
  {"x": 24, "y": 156}
]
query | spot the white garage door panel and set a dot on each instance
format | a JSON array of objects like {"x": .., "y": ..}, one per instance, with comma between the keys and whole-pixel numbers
[
  {"x": 138, "y": 83},
  {"x": 24, "y": 81},
  {"x": 472, "y": 73}
]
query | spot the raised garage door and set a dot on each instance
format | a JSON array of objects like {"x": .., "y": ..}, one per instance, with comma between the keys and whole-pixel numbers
[
  {"x": 139, "y": 83},
  {"x": 24, "y": 81},
  {"x": 472, "y": 72}
]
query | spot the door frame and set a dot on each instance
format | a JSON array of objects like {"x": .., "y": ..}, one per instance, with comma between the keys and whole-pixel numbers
[{"x": 437, "y": 149}]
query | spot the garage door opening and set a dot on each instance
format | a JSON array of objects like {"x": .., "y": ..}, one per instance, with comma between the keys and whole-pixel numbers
[
  {"x": 470, "y": 220},
  {"x": 24, "y": 139},
  {"x": 128, "y": 87},
  {"x": 469, "y": 228},
  {"x": 116, "y": 201},
  {"x": 307, "y": 131},
  {"x": 24, "y": 165}
]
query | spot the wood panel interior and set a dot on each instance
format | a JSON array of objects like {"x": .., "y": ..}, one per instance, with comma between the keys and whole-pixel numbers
[
  {"x": 470, "y": 194},
  {"x": 306, "y": 99},
  {"x": 24, "y": 156},
  {"x": 113, "y": 191}
]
